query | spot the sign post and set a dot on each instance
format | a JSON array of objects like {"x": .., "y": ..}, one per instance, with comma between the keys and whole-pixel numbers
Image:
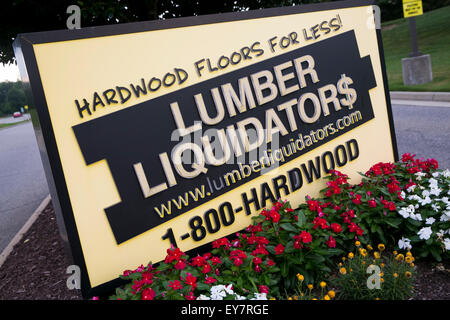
[
  {"x": 177, "y": 132},
  {"x": 411, "y": 9},
  {"x": 417, "y": 67}
]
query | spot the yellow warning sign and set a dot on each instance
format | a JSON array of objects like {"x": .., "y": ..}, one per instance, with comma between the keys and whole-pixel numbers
[{"x": 412, "y": 8}]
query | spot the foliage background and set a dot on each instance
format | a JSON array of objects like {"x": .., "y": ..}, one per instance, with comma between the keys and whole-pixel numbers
[
  {"x": 12, "y": 97},
  {"x": 20, "y": 16}
]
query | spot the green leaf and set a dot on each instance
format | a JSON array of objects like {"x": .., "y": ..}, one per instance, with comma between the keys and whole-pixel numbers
[
  {"x": 288, "y": 227},
  {"x": 284, "y": 269},
  {"x": 301, "y": 219}
]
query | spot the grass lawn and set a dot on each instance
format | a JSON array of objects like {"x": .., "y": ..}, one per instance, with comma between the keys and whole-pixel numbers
[
  {"x": 3, "y": 125},
  {"x": 433, "y": 33}
]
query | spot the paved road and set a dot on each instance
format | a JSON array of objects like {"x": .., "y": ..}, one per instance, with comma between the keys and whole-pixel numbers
[
  {"x": 420, "y": 129},
  {"x": 12, "y": 120},
  {"x": 424, "y": 131},
  {"x": 22, "y": 179}
]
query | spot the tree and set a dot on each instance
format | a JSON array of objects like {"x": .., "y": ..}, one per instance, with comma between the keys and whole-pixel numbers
[{"x": 23, "y": 16}]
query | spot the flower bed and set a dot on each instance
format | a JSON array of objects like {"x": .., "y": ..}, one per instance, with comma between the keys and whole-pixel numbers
[{"x": 288, "y": 252}]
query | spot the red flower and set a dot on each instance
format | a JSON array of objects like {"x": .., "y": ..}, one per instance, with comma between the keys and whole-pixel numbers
[
  {"x": 274, "y": 215},
  {"x": 148, "y": 294},
  {"x": 173, "y": 255},
  {"x": 180, "y": 265},
  {"x": 336, "y": 227},
  {"x": 263, "y": 289},
  {"x": 279, "y": 249},
  {"x": 190, "y": 280},
  {"x": 206, "y": 268},
  {"x": 331, "y": 242},
  {"x": 270, "y": 262},
  {"x": 320, "y": 222},
  {"x": 305, "y": 236},
  {"x": 175, "y": 285},
  {"x": 223, "y": 242},
  {"x": 216, "y": 261},
  {"x": 237, "y": 257},
  {"x": 257, "y": 260},
  {"x": 372, "y": 203},
  {"x": 198, "y": 261},
  {"x": 357, "y": 199},
  {"x": 209, "y": 280},
  {"x": 190, "y": 296}
]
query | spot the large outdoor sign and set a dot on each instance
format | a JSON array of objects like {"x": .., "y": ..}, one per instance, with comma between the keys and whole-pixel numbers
[{"x": 176, "y": 132}]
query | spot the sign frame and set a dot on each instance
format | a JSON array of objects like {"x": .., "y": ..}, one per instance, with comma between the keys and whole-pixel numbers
[{"x": 23, "y": 47}]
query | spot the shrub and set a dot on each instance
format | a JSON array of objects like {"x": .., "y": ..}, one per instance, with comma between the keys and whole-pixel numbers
[{"x": 368, "y": 275}]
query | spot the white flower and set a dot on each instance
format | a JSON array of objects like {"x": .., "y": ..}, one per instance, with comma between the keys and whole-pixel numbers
[
  {"x": 447, "y": 243},
  {"x": 425, "y": 193},
  {"x": 411, "y": 188},
  {"x": 425, "y": 201},
  {"x": 435, "y": 191},
  {"x": 203, "y": 297},
  {"x": 430, "y": 220},
  {"x": 433, "y": 183},
  {"x": 259, "y": 296},
  {"x": 404, "y": 243},
  {"x": 416, "y": 217},
  {"x": 404, "y": 213},
  {"x": 446, "y": 173},
  {"x": 445, "y": 216},
  {"x": 435, "y": 207},
  {"x": 435, "y": 174},
  {"x": 425, "y": 233},
  {"x": 403, "y": 195}
]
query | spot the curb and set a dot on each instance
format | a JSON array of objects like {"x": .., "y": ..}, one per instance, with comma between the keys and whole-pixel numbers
[
  {"x": 422, "y": 96},
  {"x": 6, "y": 252}
]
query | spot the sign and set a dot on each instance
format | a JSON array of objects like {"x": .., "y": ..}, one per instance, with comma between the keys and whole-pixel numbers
[
  {"x": 177, "y": 132},
  {"x": 412, "y": 8}
]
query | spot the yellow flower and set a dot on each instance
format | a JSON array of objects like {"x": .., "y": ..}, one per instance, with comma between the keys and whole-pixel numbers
[
  {"x": 340, "y": 264},
  {"x": 409, "y": 259},
  {"x": 310, "y": 286},
  {"x": 409, "y": 254},
  {"x": 272, "y": 298},
  {"x": 377, "y": 255},
  {"x": 343, "y": 258},
  {"x": 369, "y": 247},
  {"x": 351, "y": 270},
  {"x": 382, "y": 265},
  {"x": 377, "y": 298},
  {"x": 343, "y": 270},
  {"x": 381, "y": 280},
  {"x": 357, "y": 243},
  {"x": 363, "y": 262},
  {"x": 408, "y": 274},
  {"x": 300, "y": 277},
  {"x": 323, "y": 284},
  {"x": 399, "y": 257},
  {"x": 290, "y": 298},
  {"x": 332, "y": 294},
  {"x": 381, "y": 247},
  {"x": 326, "y": 297},
  {"x": 394, "y": 252},
  {"x": 412, "y": 264},
  {"x": 381, "y": 273},
  {"x": 351, "y": 255},
  {"x": 314, "y": 299},
  {"x": 395, "y": 275},
  {"x": 295, "y": 297},
  {"x": 363, "y": 252}
]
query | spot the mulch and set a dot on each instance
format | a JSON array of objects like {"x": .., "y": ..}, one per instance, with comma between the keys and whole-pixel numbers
[{"x": 36, "y": 268}]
